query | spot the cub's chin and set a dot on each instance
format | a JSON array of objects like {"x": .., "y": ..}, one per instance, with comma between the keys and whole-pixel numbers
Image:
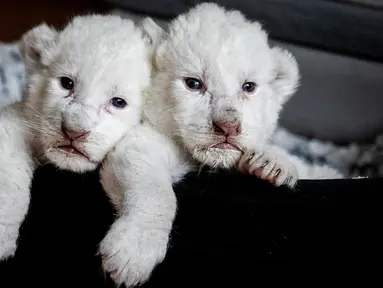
[
  {"x": 224, "y": 158},
  {"x": 68, "y": 158}
]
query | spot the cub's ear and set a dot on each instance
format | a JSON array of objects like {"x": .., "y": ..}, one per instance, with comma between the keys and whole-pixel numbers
[
  {"x": 153, "y": 32},
  {"x": 287, "y": 77},
  {"x": 156, "y": 34},
  {"x": 35, "y": 44}
]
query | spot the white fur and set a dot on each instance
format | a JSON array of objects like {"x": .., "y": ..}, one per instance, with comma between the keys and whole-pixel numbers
[
  {"x": 16, "y": 170},
  {"x": 223, "y": 49},
  {"x": 138, "y": 177},
  {"x": 106, "y": 57}
]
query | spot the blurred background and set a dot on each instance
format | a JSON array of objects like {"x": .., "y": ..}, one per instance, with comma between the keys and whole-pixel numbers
[{"x": 336, "y": 116}]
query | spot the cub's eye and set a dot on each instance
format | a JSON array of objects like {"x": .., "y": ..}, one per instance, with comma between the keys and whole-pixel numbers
[
  {"x": 118, "y": 102},
  {"x": 193, "y": 83},
  {"x": 66, "y": 83},
  {"x": 248, "y": 87}
]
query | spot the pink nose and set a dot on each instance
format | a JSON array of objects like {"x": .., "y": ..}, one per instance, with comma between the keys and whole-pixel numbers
[
  {"x": 74, "y": 135},
  {"x": 227, "y": 128}
]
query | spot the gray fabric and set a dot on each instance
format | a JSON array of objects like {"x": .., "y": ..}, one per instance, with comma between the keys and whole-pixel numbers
[
  {"x": 353, "y": 160},
  {"x": 340, "y": 98},
  {"x": 367, "y": 3},
  {"x": 11, "y": 74}
]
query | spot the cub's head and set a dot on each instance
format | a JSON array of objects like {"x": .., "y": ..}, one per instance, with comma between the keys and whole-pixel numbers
[
  {"x": 84, "y": 87},
  {"x": 224, "y": 84}
]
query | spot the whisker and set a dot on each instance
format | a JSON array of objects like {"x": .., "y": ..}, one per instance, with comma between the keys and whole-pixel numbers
[
  {"x": 38, "y": 114},
  {"x": 45, "y": 130}
]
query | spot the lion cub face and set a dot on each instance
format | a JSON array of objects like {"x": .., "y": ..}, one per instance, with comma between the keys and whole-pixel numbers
[
  {"x": 224, "y": 83},
  {"x": 84, "y": 87}
]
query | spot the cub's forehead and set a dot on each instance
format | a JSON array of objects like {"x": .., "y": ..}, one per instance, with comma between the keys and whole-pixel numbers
[
  {"x": 212, "y": 36},
  {"x": 103, "y": 47},
  {"x": 99, "y": 37}
]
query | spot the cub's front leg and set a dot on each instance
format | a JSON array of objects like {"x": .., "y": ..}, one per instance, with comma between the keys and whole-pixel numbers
[
  {"x": 16, "y": 171},
  {"x": 270, "y": 164},
  {"x": 137, "y": 177}
]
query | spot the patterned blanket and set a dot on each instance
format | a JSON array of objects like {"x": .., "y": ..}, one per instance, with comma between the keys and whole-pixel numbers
[{"x": 353, "y": 160}]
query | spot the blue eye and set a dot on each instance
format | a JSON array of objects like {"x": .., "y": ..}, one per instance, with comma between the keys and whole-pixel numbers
[
  {"x": 118, "y": 102},
  {"x": 248, "y": 87},
  {"x": 193, "y": 83}
]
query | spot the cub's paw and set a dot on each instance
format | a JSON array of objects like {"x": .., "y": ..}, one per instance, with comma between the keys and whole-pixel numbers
[
  {"x": 269, "y": 166},
  {"x": 131, "y": 252},
  {"x": 8, "y": 241}
]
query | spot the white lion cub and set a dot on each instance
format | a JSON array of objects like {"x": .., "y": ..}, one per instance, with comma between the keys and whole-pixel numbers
[
  {"x": 83, "y": 92},
  {"x": 214, "y": 100}
]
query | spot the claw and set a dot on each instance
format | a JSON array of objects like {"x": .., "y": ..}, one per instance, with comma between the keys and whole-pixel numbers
[
  {"x": 252, "y": 156},
  {"x": 265, "y": 164},
  {"x": 260, "y": 156}
]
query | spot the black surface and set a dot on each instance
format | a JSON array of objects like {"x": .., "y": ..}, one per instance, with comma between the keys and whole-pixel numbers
[{"x": 229, "y": 229}]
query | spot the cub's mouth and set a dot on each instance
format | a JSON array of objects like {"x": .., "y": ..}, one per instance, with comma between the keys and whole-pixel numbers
[
  {"x": 227, "y": 145},
  {"x": 71, "y": 150}
]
